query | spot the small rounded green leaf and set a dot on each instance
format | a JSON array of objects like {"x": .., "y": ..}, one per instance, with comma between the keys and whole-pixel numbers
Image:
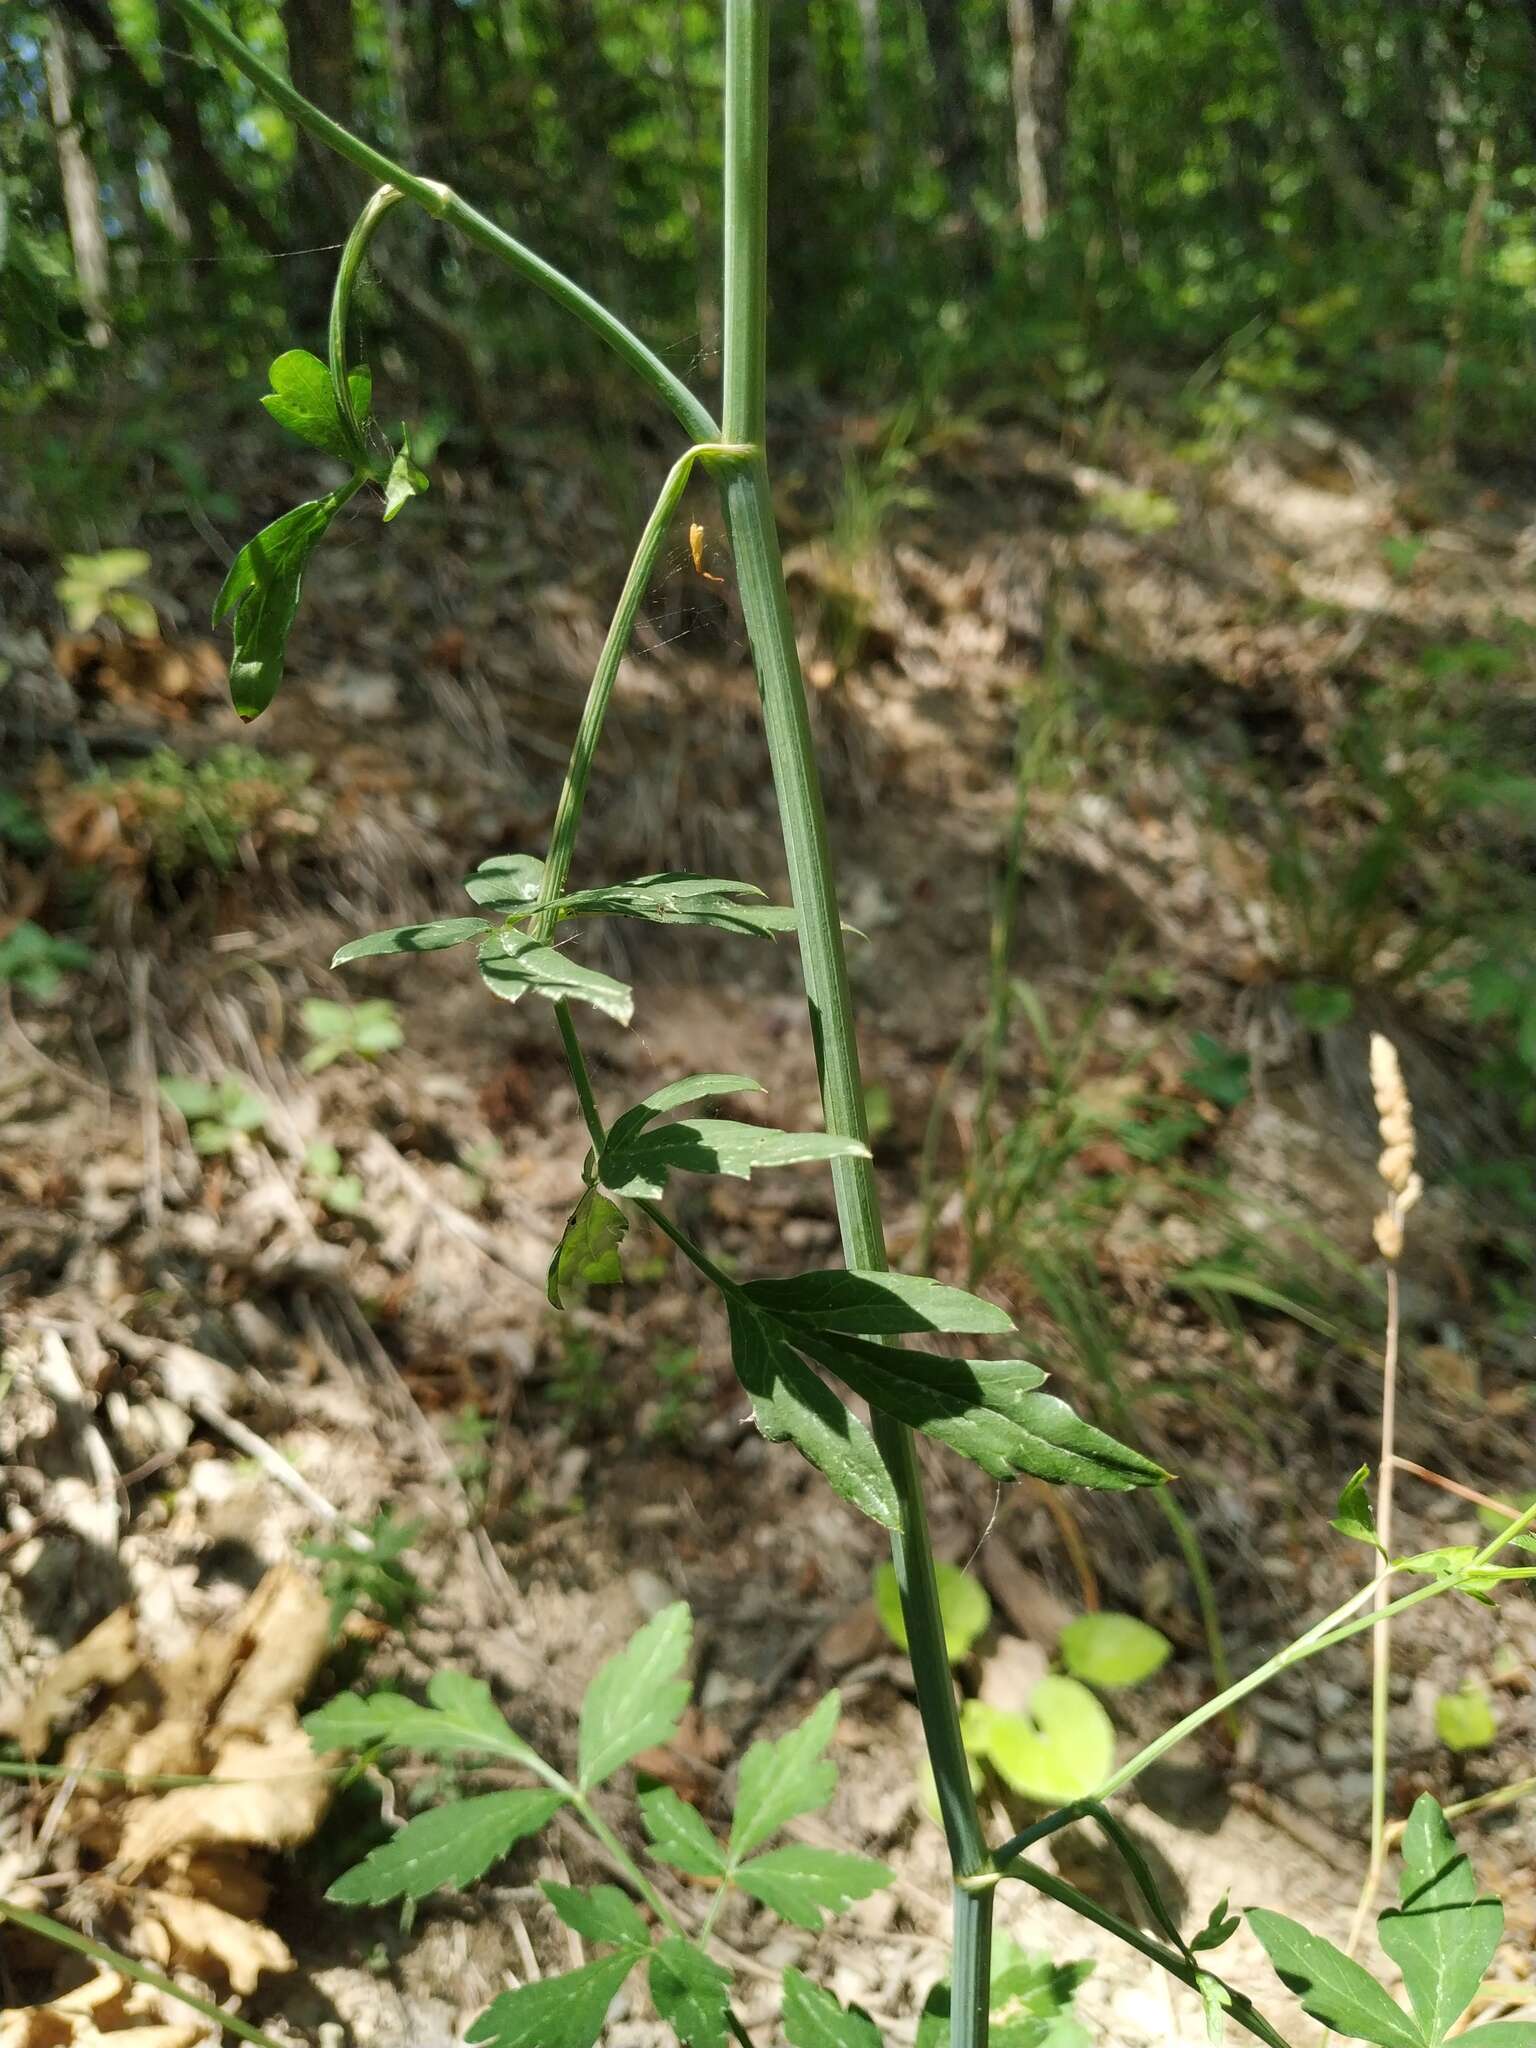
[
  {"x": 1113, "y": 1649},
  {"x": 963, "y": 1606},
  {"x": 1063, "y": 1748},
  {"x": 1464, "y": 1719}
]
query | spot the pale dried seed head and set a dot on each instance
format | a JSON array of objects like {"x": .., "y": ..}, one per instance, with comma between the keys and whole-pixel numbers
[{"x": 1395, "y": 1113}]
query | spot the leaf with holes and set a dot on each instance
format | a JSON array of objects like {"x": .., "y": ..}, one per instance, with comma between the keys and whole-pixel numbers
[
  {"x": 641, "y": 1166},
  {"x": 637, "y": 1699},
  {"x": 800, "y": 1883},
  {"x": 792, "y": 1404},
  {"x": 516, "y": 965},
  {"x": 781, "y": 1780},
  {"x": 451, "y": 1845}
]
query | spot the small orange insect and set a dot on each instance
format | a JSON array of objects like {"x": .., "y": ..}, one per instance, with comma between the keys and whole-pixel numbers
[{"x": 696, "y": 549}]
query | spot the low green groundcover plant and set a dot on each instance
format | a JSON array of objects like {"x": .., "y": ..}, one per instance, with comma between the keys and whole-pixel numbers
[{"x": 803, "y": 1346}]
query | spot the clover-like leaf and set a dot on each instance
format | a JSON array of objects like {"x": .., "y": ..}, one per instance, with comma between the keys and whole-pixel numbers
[
  {"x": 588, "y": 1252},
  {"x": 800, "y": 1882},
  {"x": 637, "y": 1698},
  {"x": 964, "y": 1608},
  {"x": 1062, "y": 1748},
  {"x": 450, "y": 1845},
  {"x": 517, "y": 965},
  {"x": 262, "y": 589},
  {"x": 792, "y": 1404},
  {"x": 1111, "y": 1650},
  {"x": 781, "y": 1780}
]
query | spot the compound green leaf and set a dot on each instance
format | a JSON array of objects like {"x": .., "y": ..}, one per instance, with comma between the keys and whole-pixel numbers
[
  {"x": 637, "y": 1698},
  {"x": 642, "y": 1165},
  {"x": 1443, "y": 1936},
  {"x": 792, "y": 1404},
  {"x": 691, "y": 1993},
  {"x": 679, "y": 1835},
  {"x": 814, "y": 2019},
  {"x": 675, "y": 1095},
  {"x": 557, "y": 2012},
  {"x": 1062, "y": 1748},
  {"x": 412, "y": 938},
  {"x": 450, "y": 1845},
  {"x": 461, "y": 1720},
  {"x": 800, "y": 1883},
  {"x": 1331, "y": 1986},
  {"x": 679, "y": 898},
  {"x": 1354, "y": 1517},
  {"x": 301, "y": 399},
  {"x": 1113, "y": 1649},
  {"x": 781, "y": 1780},
  {"x": 507, "y": 881},
  {"x": 963, "y": 1607},
  {"x": 869, "y": 1304},
  {"x": 602, "y": 1913},
  {"x": 262, "y": 589},
  {"x": 588, "y": 1252},
  {"x": 517, "y": 965}
]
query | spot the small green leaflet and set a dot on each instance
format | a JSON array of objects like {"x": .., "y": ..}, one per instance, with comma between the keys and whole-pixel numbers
[
  {"x": 1220, "y": 1927},
  {"x": 462, "y": 1720},
  {"x": 450, "y": 1845},
  {"x": 1215, "y": 2003},
  {"x": 588, "y": 1252},
  {"x": 680, "y": 1836},
  {"x": 676, "y": 1095},
  {"x": 1031, "y": 2002},
  {"x": 1332, "y": 1988},
  {"x": 413, "y": 938},
  {"x": 558, "y": 2012},
  {"x": 1455, "y": 1561},
  {"x": 684, "y": 899},
  {"x": 602, "y": 1914},
  {"x": 800, "y": 1883},
  {"x": 867, "y": 1304},
  {"x": 302, "y": 400},
  {"x": 964, "y": 1608},
  {"x": 517, "y": 964},
  {"x": 791, "y": 1404},
  {"x": 641, "y": 1167},
  {"x": 1354, "y": 1517},
  {"x": 814, "y": 2019},
  {"x": 637, "y": 1699},
  {"x": 263, "y": 588},
  {"x": 1443, "y": 1936},
  {"x": 691, "y": 1993},
  {"x": 405, "y": 481},
  {"x": 1464, "y": 1718},
  {"x": 507, "y": 881},
  {"x": 781, "y": 1780},
  {"x": 1109, "y": 1650}
]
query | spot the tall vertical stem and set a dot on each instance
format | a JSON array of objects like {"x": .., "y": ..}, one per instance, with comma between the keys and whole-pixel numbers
[{"x": 765, "y": 607}]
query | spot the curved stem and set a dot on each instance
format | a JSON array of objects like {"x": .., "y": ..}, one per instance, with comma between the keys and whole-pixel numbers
[
  {"x": 443, "y": 203},
  {"x": 356, "y": 247}
]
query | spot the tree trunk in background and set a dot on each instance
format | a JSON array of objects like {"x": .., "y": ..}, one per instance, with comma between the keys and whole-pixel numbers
[
  {"x": 1041, "y": 61},
  {"x": 1343, "y": 156},
  {"x": 82, "y": 197}
]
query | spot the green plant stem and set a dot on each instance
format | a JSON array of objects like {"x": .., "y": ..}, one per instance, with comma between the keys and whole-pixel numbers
[
  {"x": 1241, "y": 2009},
  {"x": 52, "y": 1930},
  {"x": 443, "y": 203},
  {"x": 1381, "y": 1642},
  {"x": 364, "y": 228},
  {"x": 765, "y": 607}
]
